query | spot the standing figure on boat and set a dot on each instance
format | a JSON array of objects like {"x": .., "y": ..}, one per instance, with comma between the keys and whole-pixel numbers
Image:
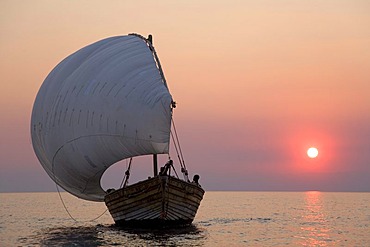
[{"x": 166, "y": 168}]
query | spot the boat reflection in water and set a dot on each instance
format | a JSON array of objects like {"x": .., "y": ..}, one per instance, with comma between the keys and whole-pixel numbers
[{"x": 104, "y": 235}]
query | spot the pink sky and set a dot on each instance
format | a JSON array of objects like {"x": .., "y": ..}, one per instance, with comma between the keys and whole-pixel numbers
[{"x": 257, "y": 83}]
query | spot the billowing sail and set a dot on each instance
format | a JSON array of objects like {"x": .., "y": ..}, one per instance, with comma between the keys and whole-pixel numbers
[{"x": 104, "y": 103}]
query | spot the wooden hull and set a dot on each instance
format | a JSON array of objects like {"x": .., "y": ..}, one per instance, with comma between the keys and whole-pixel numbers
[{"x": 156, "y": 202}]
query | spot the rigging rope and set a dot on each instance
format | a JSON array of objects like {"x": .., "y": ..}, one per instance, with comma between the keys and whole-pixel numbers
[
  {"x": 65, "y": 207},
  {"x": 174, "y": 170},
  {"x": 127, "y": 175},
  {"x": 179, "y": 151},
  {"x": 178, "y": 142},
  {"x": 60, "y": 196},
  {"x": 124, "y": 182},
  {"x": 175, "y": 145}
]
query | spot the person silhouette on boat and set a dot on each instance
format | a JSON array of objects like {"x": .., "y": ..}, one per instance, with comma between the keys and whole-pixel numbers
[
  {"x": 196, "y": 179},
  {"x": 166, "y": 168}
]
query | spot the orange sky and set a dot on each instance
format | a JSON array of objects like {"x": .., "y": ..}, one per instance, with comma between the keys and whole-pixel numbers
[{"x": 257, "y": 83}]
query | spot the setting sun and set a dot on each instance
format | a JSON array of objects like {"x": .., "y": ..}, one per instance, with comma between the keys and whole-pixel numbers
[{"x": 312, "y": 152}]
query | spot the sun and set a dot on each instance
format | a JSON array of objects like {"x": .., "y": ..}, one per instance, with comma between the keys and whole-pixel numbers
[{"x": 312, "y": 152}]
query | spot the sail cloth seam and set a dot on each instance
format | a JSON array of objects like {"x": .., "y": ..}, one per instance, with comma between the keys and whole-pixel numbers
[{"x": 57, "y": 101}]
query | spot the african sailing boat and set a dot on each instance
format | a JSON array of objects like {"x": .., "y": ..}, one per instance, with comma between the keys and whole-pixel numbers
[{"x": 107, "y": 102}]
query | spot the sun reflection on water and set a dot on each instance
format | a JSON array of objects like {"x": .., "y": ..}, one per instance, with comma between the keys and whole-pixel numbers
[{"x": 314, "y": 229}]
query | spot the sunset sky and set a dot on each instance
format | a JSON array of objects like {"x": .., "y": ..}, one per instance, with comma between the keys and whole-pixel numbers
[{"x": 257, "y": 83}]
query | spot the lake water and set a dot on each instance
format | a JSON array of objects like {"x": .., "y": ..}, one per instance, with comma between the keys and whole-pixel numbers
[{"x": 223, "y": 219}]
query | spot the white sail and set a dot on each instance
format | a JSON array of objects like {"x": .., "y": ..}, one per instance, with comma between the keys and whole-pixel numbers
[{"x": 104, "y": 103}]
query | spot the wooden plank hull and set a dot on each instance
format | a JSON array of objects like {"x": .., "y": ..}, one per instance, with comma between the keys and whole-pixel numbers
[{"x": 156, "y": 202}]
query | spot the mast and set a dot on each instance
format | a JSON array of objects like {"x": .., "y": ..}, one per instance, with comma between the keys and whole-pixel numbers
[
  {"x": 155, "y": 165},
  {"x": 155, "y": 157}
]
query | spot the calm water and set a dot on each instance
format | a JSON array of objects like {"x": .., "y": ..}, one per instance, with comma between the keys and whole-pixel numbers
[{"x": 224, "y": 219}]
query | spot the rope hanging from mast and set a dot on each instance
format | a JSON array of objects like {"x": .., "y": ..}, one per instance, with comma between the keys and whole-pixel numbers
[
  {"x": 70, "y": 215},
  {"x": 65, "y": 206}
]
